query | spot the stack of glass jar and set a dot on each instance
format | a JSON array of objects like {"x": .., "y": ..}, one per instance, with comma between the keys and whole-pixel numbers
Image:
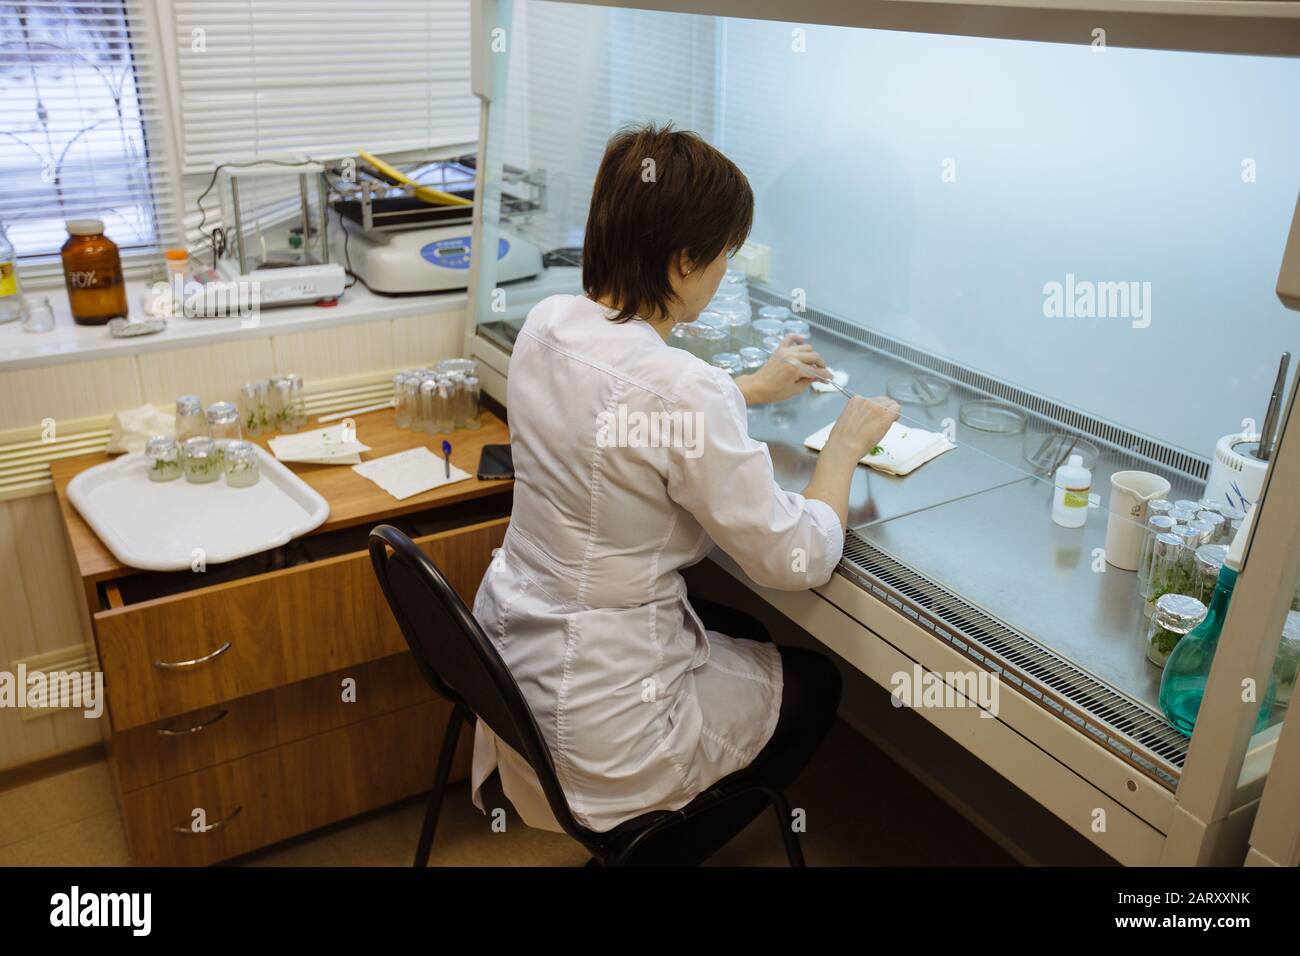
[
  {"x": 439, "y": 400},
  {"x": 1185, "y": 545},
  {"x": 727, "y": 335}
]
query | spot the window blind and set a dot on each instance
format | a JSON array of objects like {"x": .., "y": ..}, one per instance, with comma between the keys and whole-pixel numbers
[
  {"x": 80, "y": 102},
  {"x": 318, "y": 79}
]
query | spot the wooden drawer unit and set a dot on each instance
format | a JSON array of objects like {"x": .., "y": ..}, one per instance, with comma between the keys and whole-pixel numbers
[
  {"x": 269, "y": 796},
  {"x": 225, "y": 688},
  {"x": 237, "y": 728},
  {"x": 169, "y": 656}
]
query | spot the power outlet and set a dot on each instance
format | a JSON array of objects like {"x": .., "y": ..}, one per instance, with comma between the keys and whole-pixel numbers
[{"x": 755, "y": 260}]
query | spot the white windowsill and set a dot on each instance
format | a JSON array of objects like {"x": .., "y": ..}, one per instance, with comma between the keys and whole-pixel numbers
[{"x": 69, "y": 342}]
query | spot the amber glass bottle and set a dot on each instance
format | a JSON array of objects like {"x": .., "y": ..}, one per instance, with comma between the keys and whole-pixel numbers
[{"x": 92, "y": 270}]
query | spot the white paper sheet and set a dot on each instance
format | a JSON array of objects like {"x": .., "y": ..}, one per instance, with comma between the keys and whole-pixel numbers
[
  {"x": 903, "y": 449},
  {"x": 409, "y": 472}
]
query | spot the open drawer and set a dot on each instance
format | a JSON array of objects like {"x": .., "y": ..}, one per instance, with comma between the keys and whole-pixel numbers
[{"x": 171, "y": 655}]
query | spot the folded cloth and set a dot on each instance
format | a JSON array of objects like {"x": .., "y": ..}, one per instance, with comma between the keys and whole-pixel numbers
[
  {"x": 130, "y": 430},
  {"x": 903, "y": 449}
]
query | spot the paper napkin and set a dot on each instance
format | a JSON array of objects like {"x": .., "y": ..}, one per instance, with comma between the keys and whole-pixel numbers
[
  {"x": 902, "y": 450},
  {"x": 409, "y": 472},
  {"x": 335, "y": 445}
]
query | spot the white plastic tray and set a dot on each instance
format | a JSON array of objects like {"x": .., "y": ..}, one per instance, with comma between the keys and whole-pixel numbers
[{"x": 157, "y": 525}]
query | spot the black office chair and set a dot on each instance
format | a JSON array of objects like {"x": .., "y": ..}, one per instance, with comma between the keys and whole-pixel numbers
[{"x": 462, "y": 666}]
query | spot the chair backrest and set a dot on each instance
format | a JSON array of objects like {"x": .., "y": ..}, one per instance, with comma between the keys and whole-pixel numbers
[{"x": 459, "y": 661}]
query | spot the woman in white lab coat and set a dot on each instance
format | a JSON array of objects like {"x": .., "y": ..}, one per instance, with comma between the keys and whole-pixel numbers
[{"x": 632, "y": 461}]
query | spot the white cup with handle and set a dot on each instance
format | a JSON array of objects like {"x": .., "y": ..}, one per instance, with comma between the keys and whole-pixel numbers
[{"x": 1129, "y": 493}]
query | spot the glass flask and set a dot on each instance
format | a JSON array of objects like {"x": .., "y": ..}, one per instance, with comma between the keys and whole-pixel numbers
[{"x": 1182, "y": 687}]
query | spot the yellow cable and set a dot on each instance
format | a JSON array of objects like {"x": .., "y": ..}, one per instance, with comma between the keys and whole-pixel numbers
[{"x": 427, "y": 193}]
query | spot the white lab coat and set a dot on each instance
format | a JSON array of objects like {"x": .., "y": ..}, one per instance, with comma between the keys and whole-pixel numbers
[{"x": 641, "y": 707}]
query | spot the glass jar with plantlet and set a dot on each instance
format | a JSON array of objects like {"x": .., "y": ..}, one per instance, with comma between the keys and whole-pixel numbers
[
  {"x": 200, "y": 460},
  {"x": 1174, "y": 616},
  {"x": 164, "y": 459},
  {"x": 241, "y": 464}
]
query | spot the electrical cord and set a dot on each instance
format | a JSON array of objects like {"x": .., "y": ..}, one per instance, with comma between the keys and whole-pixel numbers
[{"x": 203, "y": 213}]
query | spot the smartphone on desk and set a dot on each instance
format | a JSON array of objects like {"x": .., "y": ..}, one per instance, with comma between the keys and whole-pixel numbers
[{"x": 495, "y": 463}]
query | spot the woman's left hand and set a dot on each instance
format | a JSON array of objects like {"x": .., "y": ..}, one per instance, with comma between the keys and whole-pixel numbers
[{"x": 778, "y": 379}]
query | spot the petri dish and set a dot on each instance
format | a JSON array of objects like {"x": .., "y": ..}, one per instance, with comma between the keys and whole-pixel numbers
[
  {"x": 993, "y": 417},
  {"x": 1046, "y": 449},
  {"x": 917, "y": 389}
]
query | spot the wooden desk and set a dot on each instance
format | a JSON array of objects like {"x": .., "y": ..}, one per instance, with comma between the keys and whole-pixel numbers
[{"x": 250, "y": 710}]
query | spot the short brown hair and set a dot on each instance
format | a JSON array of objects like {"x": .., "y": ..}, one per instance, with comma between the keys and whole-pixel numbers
[{"x": 658, "y": 192}]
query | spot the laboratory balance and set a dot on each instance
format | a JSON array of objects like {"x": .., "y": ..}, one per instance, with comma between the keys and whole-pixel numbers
[{"x": 410, "y": 233}]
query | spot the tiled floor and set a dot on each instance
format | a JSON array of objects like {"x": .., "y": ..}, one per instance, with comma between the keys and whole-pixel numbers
[{"x": 861, "y": 809}]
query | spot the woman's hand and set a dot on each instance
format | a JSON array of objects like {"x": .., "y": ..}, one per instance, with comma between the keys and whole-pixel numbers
[
  {"x": 778, "y": 380},
  {"x": 861, "y": 426},
  {"x": 857, "y": 431}
]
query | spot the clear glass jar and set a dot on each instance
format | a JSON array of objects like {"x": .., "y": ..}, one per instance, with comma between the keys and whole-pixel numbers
[
  {"x": 223, "y": 423},
  {"x": 1156, "y": 526},
  {"x": 729, "y": 362},
  {"x": 444, "y": 410},
  {"x": 762, "y": 328},
  {"x": 797, "y": 327},
  {"x": 752, "y": 359},
  {"x": 164, "y": 458},
  {"x": 1210, "y": 524},
  {"x": 1232, "y": 520},
  {"x": 200, "y": 460},
  {"x": 401, "y": 407},
  {"x": 241, "y": 464},
  {"x": 415, "y": 411},
  {"x": 1183, "y": 514},
  {"x": 429, "y": 410},
  {"x": 1212, "y": 504},
  {"x": 771, "y": 344},
  {"x": 1167, "y": 576},
  {"x": 736, "y": 318},
  {"x": 1160, "y": 506},
  {"x": 190, "y": 420},
  {"x": 1174, "y": 616},
  {"x": 1207, "y": 561},
  {"x": 254, "y": 409},
  {"x": 288, "y": 407},
  {"x": 456, "y": 400},
  {"x": 473, "y": 410},
  {"x": 464, "y": 366},
  {"x": 1187, "y": 505},
  {"x": 775, "y": 313},
  {"x": 708, "y": 335}
]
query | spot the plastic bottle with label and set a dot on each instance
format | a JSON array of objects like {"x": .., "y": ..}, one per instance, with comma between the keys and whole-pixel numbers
[{"x": 1070, "y": 498}]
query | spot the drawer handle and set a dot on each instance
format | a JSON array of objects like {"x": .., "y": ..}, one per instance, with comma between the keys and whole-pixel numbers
[
  {"x": 182, "y": 665},
  {"x": 190, "y": 831},
  {"x": 168, "y": 732}
]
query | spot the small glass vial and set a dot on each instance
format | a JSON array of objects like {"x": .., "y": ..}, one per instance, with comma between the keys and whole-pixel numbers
[
  {"x": 254, "y": 410},
  {"x": 1174, "y": 616},
  {"x": 164, "y": 458},
  {"x": 1166, "y": 573},
  {"x": 473, "y": 412},
  {"x": 752, "y": 359},
  {"x": 200, "y": 460},
  {"x": 729, "y": 362},
  {"x": 1156, "y": 526},
  {"x": 241, "y": 464},
  {"x": 1208, "y": 560},
  {"x": 190, "y": 420},
  {"x": 401, "y": 407},
  {"x": 797, "y": 327},
  {"x": 223, "y": 424}
]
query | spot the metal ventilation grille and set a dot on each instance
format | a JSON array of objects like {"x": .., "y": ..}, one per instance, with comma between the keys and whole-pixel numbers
[
  {"x": 1141, "y": 448},
  {"x": 1132, "y": 730}
]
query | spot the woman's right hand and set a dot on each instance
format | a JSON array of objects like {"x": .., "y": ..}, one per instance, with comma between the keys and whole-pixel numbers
[{"x": 861, "y": 426}]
